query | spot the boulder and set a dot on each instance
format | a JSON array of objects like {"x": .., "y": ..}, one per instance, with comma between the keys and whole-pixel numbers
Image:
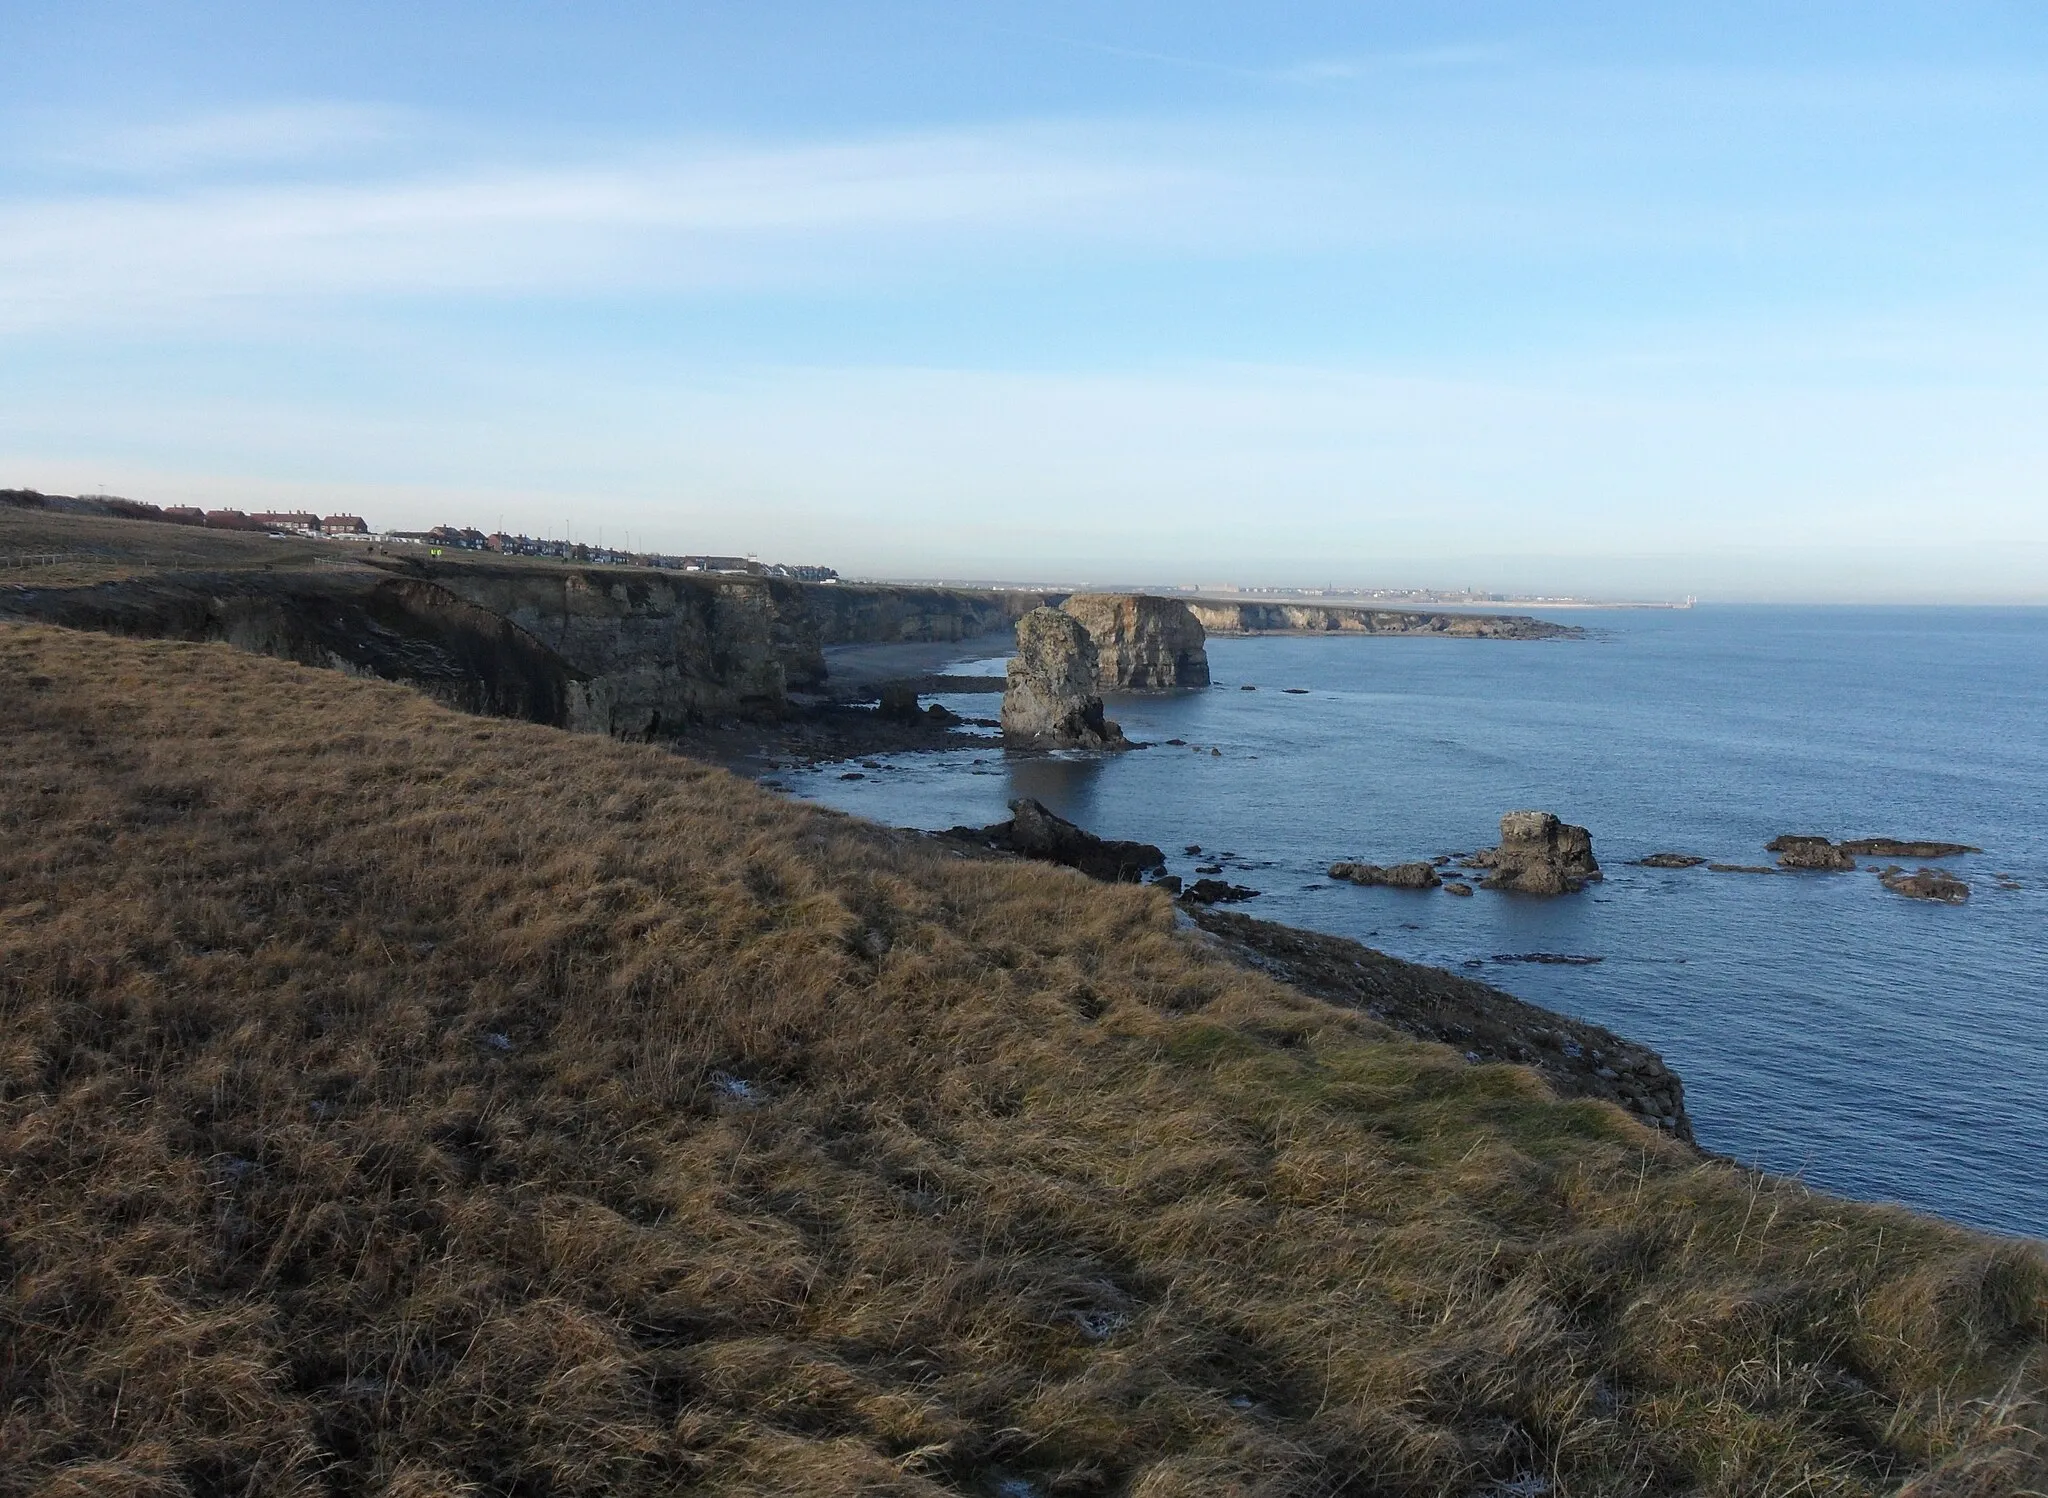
[
  {"x": 1925, "y": 884},
  {"x": 1540, "y": 855},
  {"x": 1798, "y": 851},
  {"x": 1051, "y": 699},
  {"x": 1038, "y": 833},
  {"x": 899, "y": 702},
  {"x": 1394, "y": 876},
  {"x": 1142, "y": 643}
]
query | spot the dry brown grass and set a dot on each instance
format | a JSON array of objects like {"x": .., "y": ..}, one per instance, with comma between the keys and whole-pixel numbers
[
  {"x": 102, "y": 548},
  {"x": 371, "y": 1121}
]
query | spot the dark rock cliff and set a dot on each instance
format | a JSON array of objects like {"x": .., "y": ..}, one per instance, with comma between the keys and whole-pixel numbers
[{"x": 628, "y": 652}]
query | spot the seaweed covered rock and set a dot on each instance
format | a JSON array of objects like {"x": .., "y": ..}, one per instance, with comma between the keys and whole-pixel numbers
[
  {"x": 1393, "y": 876},
  {"x": 1925, "y": 884},
  {"x": 1797, "y": 851}
]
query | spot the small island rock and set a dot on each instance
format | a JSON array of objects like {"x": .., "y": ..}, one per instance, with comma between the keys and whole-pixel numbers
[{"x": 1539, "y": 854}]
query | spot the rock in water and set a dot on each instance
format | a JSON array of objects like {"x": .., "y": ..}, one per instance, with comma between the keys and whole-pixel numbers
[
  {"x": 1395, "y": 876},
  {"x": 1670, "y": 861},
  {"x": 1143, "y": 643},
  {"x": 1541, "y": 855},
  {"x": 1926, "y": 884},
  {"x": 1898, "y": 847},
  {"x": 1797, "y": 851},
  {"x": 1051, "y": 700}
]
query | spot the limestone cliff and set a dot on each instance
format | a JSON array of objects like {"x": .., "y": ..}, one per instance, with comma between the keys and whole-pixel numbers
[
  {"x": 394, "y": 629},
  {"x": 1051, "y": 700},
  {"x": 875, "y": 613},
  {"x": 652, "y": 652},
  {"x": 1143, "y": 643},
  {"x": 1229, "y": 618}
]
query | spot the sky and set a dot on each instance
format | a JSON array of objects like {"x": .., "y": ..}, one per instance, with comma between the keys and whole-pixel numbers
[{"x": 1748, "y": 301}]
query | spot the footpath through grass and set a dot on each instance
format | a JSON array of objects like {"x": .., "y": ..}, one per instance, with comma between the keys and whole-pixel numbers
[{"x": 399, "y": 1102}]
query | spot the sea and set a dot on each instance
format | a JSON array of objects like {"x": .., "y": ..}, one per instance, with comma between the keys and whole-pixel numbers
[{"x": 1874, "y": 1046}]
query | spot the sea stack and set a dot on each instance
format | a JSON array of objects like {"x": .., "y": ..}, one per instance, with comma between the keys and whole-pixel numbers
[
  {"x": 1051, "y": 700},
  {"x": 1540, "y": 855},
  {"x": 1143, "y": 643}
]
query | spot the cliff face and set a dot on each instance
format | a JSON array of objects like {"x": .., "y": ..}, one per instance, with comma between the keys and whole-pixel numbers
[
  {"x": 631, "y": 653},
  {"x": 393, "y": 629},
  {"x": 1143, "y": 643},
  {"x": 1295, "y": 618},
  {"x": 652, "y": 651},
  {"x": 867, "y": 613}
]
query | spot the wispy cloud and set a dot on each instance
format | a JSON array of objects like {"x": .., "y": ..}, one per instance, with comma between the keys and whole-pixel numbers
[
  {"x": 1379, "y": 64},
  {"x": 267, "y": 135},
  {"x": 678, "y": 218}
]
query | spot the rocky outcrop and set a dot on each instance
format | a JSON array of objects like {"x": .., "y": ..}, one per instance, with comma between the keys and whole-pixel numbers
[
  {"x": 1925, "y": 884},
  {"x": 655, "y": 652},
  {"x": 1037, "y": 833},
  {"x": 1670, "y": 861},
  {"x": 1817, "y": 854},
  {"x": 1393, "y": 876},
  {"x": 1226, "y": 618},
  {"x": 1142, "y": 643},
  {"x": 1051, "y": 698},
  {"x": 874, "y": 613},
  {"x": 1483, "y": 1023},
  {"x": 1894, "y": 847},
  {"x": 361, "y": 622},
  {"x": 1539, "y": 855}
]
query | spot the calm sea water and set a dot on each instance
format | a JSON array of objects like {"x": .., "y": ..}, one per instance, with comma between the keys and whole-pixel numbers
[{"x": 1879, "y": 1047}]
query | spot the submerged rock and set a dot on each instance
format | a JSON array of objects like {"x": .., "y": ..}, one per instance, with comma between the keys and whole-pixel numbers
[
  {"x": 1925, "y": 884},
  {"x": 1216, "y": 891},
  {"x": 1142, "y": 643},
  {"x": 1394, "y": 876},
  {"x": 1540, "y": 855},
  {"x": 1670, "y": 861},
  {"x": 1798, "y": 851},
  {"x": 1740, "y": 868},
  {"x": 1051, "y": 699}
]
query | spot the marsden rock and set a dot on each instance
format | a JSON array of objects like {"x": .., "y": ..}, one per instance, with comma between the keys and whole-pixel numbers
[
  {"x": 1394, "y": 876},
  {"x": 1142, "y": 643},
  {"x": 1540, "y": 855},
  {"x": 1051, "y": 699}
]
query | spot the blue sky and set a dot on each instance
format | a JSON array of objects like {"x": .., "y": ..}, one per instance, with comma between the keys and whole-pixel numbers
[{"x": 1748, "y": 302}]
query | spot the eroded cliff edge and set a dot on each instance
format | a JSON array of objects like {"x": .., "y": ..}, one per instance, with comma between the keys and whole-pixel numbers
[
  {"x": 628, "y": 652},
  {"x": 1224, "y": 617}
]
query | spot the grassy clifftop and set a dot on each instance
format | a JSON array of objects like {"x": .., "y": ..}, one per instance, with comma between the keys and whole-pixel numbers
[{"x": 399, "y": 1102}]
